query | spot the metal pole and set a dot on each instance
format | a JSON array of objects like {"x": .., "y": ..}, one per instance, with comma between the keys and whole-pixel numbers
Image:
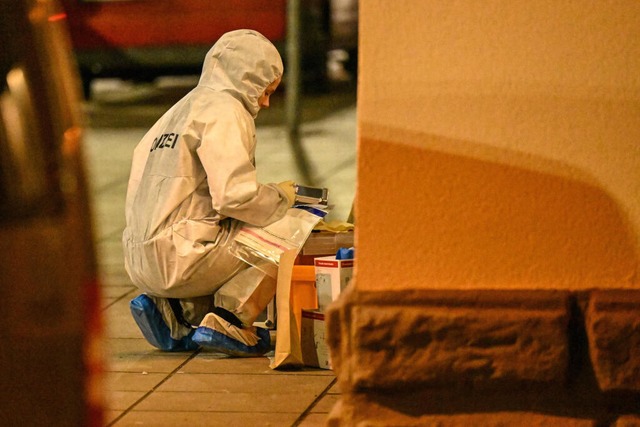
[{"x": 293, "y": 88}]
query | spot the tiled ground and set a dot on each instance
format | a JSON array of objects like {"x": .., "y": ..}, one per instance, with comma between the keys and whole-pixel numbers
[{"x": 144, "y": 386}]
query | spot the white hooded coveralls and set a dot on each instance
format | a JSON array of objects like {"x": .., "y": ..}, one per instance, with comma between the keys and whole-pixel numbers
[{"x": 193, "y": 177}]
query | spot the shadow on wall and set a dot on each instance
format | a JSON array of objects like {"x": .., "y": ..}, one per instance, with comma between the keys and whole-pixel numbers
[{"x": 511, "y": 222}]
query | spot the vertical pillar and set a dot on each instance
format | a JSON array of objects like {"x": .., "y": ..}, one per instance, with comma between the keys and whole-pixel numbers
[{"x": 293, "y": 89}]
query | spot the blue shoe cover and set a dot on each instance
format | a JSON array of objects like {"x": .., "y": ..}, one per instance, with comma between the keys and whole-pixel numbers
[
  {"x": 217, "y": 341},
  {"x": 152, "y": 326}
]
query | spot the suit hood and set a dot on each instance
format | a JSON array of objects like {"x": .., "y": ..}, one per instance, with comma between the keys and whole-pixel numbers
[{"x": 242, "y": 63}]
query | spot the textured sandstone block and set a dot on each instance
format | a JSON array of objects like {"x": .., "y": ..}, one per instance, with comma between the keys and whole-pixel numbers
[
  {"x": 487, "y": 420},
  {"x": 613, "y": 328},
  {"x": 627, "y": 421},
  {"x": 363, "y": 410},
  {"x": 453, "y": 338}
]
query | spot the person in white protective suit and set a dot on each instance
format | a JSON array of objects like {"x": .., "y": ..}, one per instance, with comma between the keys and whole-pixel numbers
[{"x": 192, "y": 186}]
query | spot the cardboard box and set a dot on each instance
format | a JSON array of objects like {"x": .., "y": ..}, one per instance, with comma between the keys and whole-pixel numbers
[
  {"x": 332, "y": 276},
  {"x": 315, "y": 351},
  {"x": 323, "y": 243},
  {"x": 326, "y": 243}
]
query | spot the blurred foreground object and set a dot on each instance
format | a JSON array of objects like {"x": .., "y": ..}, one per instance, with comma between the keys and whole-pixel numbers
[{"x": 51, "y": 356}]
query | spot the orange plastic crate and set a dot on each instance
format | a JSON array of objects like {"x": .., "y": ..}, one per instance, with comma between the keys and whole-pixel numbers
[{"x": 303, "y": 291}]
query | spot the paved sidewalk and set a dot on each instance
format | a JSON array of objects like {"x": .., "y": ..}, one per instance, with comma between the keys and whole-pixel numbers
[{"x": 144, "y": 386}]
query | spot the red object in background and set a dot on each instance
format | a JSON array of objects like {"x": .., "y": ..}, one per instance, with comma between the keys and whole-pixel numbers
[
  {"x": 141, "y": 40},
  {"x": 153, "y": 23}
]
